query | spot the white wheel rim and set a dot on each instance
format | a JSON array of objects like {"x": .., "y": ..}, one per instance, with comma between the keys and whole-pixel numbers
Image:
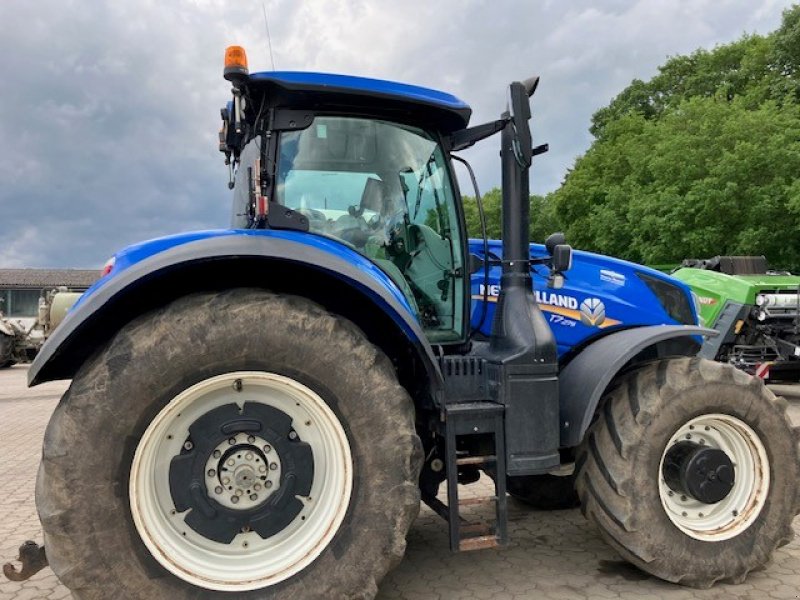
[
  {"x": 737, "y": 511},
  {"x": 248, "y": 562}
]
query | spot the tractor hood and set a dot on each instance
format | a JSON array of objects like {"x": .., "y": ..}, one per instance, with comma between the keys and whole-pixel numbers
[
  {"x": 711, "y": 285},
  {"x": 772, "y": 282},
  {"x": 600, "y": 294},
  {"x": 714, "y": 289}
]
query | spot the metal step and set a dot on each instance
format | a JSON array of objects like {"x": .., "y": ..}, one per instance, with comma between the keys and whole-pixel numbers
[
  {"x": 479, "y": 543},
  {"x": 477, "y": 501},
  {"x": 477, "y": 460},
  {"x": 462, "y": 420}
]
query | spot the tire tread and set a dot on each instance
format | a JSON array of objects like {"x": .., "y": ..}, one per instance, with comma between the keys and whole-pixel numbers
[{"x": 612, "y": 441}]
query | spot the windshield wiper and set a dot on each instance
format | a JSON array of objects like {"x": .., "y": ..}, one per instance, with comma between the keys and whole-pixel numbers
[{"x": 425, "y": 171}]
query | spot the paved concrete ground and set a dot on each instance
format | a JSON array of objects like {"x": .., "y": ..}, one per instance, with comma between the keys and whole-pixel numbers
[{"x": 552, "y": 556}]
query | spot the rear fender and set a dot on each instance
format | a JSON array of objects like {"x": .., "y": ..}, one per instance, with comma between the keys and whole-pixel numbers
[
  {"x": 584, "y": 380},
  {"x": 326, "y": 272}
]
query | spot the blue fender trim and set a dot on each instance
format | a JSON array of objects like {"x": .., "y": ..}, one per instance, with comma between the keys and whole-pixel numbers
[
  {"x": 57, "y": 358},
  {"x": 585, "y": 379}
]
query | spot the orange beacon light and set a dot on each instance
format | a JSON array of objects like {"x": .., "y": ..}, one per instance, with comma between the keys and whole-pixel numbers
[{"x": 235, "y": 63}]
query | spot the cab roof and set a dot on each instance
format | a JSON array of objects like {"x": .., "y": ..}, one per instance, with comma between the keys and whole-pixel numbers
[{"x": 346, "y": 93}]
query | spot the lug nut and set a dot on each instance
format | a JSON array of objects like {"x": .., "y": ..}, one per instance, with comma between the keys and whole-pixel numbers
[
  {"x": 257, "y": 487},
  {"x": 239, "y": 493},
  {"x": 262, "y": 468},
  {"x": 251, "y": 438},
  {"x": 235, "y": 499},
  {"x": 218, "y": 490},
  {"x": 211, "y": 472},
  {"x": 253, "y": 497},
  {"x": 232, "y": 441},
  {"x": 267, "y": 484},
  {"x": 226, "y": 480},
  {"x": 273, "y": 466},
  {"x": 267, "y": 448},
  {"x": 217, "y": 453}
]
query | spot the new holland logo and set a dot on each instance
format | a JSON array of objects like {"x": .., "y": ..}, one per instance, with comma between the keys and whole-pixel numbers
[{"x": 593, "y": 312}]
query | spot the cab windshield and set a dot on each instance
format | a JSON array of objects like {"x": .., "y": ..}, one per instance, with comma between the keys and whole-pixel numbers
[{"x": 385, "y": 190}]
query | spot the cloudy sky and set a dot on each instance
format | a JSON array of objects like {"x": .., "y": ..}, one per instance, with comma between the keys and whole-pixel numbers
[{"x": 109, "y": 110}]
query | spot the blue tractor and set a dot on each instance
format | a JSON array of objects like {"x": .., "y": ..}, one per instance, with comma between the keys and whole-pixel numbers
[{"x": 259, "y": 410}]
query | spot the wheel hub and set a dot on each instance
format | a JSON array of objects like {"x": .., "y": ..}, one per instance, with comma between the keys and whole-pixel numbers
[
  {"x": 703, "y": 473},
  {"x": 241, "y": 470},
  {"x": 714, "y": 477}
]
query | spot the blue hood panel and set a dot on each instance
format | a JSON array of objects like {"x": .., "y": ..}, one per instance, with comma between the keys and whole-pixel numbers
[{"x": 600, "y": 293}]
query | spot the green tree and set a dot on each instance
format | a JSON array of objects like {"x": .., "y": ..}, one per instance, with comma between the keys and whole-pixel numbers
[
  {"x": 543, "y": 218},
  {"x": 492, "y": 203},
  {"x": 701, "y": 160}
]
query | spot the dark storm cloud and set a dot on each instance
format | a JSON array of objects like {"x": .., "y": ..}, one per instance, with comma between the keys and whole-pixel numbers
[{"x": 109, "y": 110}]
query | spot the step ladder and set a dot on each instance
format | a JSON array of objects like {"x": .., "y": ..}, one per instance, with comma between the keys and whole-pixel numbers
[{"x": 465, "y": 419}]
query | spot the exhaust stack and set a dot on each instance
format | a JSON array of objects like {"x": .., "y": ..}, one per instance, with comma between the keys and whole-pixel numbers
[{"x": 523, "y": 362}]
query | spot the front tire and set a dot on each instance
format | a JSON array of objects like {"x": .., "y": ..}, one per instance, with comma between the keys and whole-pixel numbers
[
  {"x": 126, "y": 495},
  {"x": 655, "y": 479}
]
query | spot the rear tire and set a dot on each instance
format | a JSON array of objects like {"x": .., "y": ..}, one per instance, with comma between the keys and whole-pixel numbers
[
  {"x": 623, "y": 489},
  {"x": 105, "y": 424}
]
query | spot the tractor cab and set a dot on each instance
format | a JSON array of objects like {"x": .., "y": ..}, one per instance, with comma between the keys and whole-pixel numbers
[{"x": 366, "y": 163}]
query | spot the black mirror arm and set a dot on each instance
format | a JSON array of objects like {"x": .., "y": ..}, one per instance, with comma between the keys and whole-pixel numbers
[{"x": 465, "y": 138}]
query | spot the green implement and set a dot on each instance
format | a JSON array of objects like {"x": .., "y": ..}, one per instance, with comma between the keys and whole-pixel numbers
[{"x": 755, "y": 309}]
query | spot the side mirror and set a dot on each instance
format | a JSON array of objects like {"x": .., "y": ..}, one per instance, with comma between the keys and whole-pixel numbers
[
  {"x": 562, "y": 258},
  {"x": 553, "y": 240},
  {"x": 561, "y": 261}
]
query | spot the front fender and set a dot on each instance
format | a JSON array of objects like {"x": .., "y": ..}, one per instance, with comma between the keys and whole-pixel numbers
[
  {"x": 165, "y": 270},
  {"x": 586, "y": 378}
]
